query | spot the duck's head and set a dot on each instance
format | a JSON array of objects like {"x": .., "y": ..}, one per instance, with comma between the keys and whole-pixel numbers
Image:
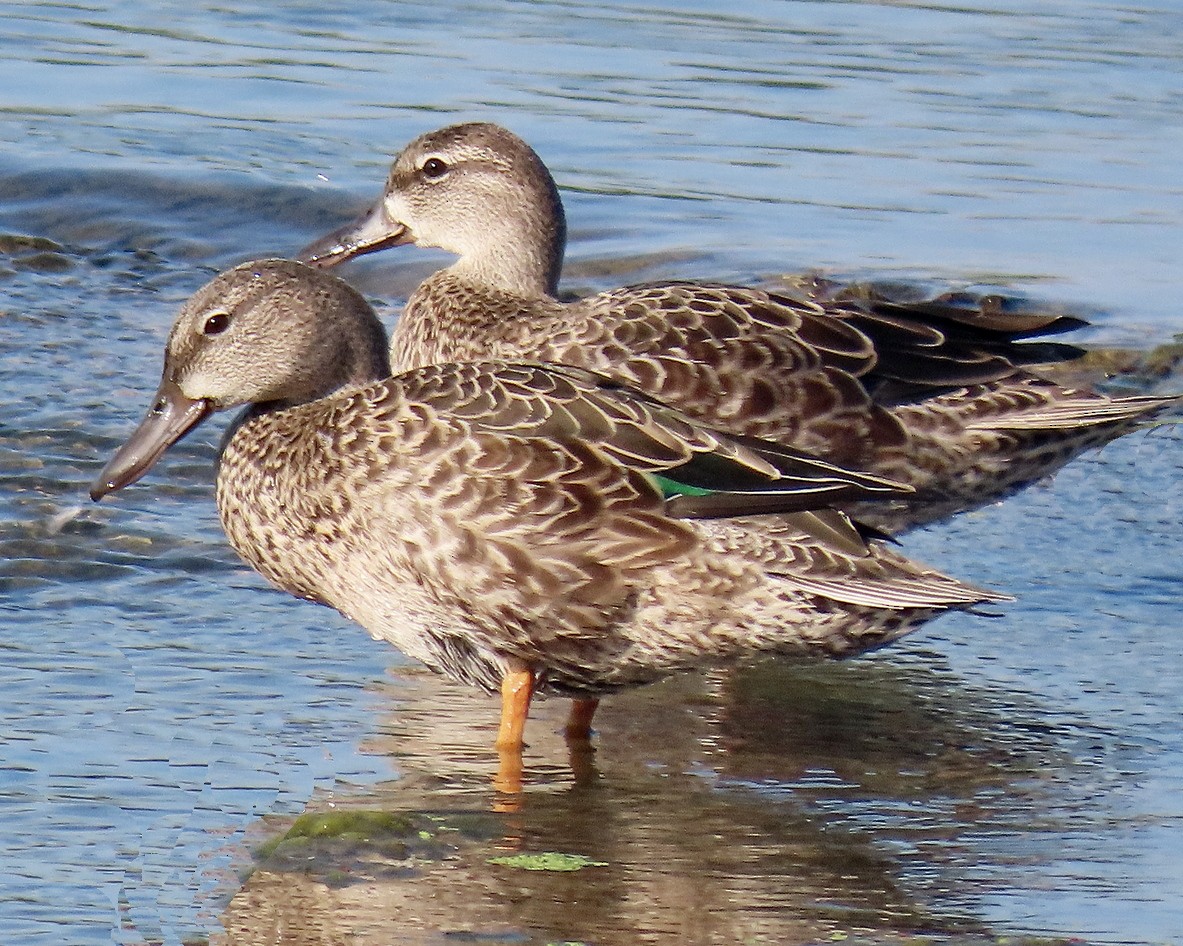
[
  {"x": 265, "y": 332},
  {"x": 475, "y": 190}
]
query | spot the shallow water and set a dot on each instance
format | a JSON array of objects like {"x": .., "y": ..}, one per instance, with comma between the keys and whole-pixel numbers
[{"x": 163, "y": 711}]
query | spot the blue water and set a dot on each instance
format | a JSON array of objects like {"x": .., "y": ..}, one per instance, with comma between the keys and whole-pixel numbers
[{"x": 161, "y": 707}]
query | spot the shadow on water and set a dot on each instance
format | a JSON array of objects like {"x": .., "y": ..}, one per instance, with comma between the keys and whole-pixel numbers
[{"x": 776, "y": 804}]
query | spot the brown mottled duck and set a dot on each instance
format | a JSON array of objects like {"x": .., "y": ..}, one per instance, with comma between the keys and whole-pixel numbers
[
  {"x": 937, "y": 395},
  {"x": 517, "y": 526}
]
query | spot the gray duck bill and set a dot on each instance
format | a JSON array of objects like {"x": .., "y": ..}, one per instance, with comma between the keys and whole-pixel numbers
[
  {"x": 170, "y": 418},
  {"x": 369, "y": 233}
]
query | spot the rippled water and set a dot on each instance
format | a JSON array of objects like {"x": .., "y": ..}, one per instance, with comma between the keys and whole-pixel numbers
[{"x": 163, "y": 711}]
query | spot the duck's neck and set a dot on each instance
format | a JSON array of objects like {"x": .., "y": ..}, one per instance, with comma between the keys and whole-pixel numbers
[
  {"x": 350, "y": 350},
  {"x": 531, "y": 271},
  {"x": 453, "y": 317},
  {"x": 518, "y": 251}
]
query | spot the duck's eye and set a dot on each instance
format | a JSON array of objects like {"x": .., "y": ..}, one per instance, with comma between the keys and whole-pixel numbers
[
  {"x": 434, "y": 168},
  {"x": 216, "y": 324}
]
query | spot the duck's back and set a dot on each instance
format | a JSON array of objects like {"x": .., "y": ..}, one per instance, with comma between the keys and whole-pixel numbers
[{"x": 928, "y": 394}]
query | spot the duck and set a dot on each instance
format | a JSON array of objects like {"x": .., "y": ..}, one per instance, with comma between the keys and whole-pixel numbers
[
  {"x": 941, "y": 394},
  {"x": 521, "y": 527}
]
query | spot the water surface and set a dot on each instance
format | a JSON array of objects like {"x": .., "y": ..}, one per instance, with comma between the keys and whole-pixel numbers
[{"x": 164, "y": 711}]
